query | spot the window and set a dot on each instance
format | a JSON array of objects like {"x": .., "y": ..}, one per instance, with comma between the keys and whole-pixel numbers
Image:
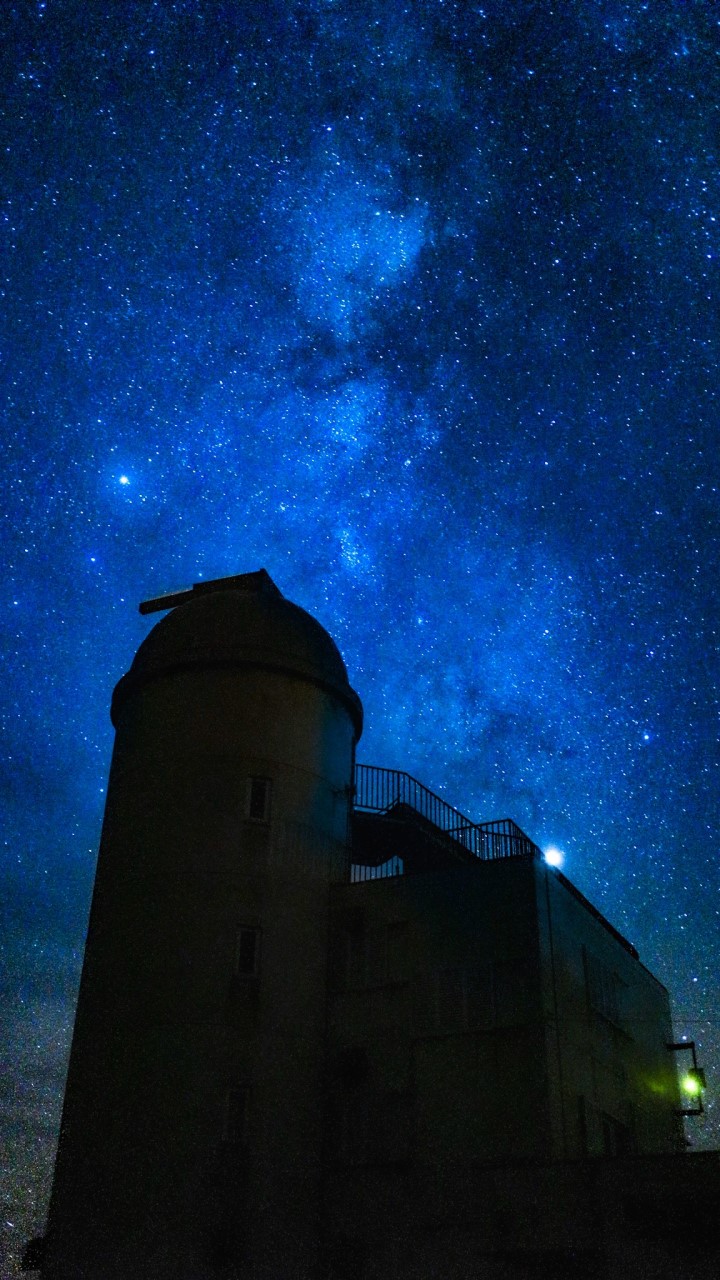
[
  {"x": 616, "y": 1137},
  {"x": 461, "y": 999},
  {"x": 234, "y": 1115},
  {"x": 602, "y": 986},
  {"x": 258, "y": 799},
  {"x": 247, "y": 951}
]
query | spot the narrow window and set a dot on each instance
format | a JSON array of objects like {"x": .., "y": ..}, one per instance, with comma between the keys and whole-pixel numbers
[
  {"x": 602, "y": 988},
  {"x": 247, "y": 951},
  {"x": 234, "y": 1117},
  {"x": 616, "y": 1138},
  {"x": 258, "y": 799}
]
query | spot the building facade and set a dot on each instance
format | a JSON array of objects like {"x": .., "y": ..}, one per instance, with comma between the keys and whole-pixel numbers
[{"x": 328, "y": 1026}]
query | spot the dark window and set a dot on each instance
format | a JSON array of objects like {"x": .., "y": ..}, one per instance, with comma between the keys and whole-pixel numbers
[
  {"x": 616, "y": 1137},
  {"x": 462, "y": 998},
  {"x": 247, "y": 951},
  {"x": 234, "y": 1118},
  {"x": 258, "y": 800},
  {"x": 602, "y": 987}
]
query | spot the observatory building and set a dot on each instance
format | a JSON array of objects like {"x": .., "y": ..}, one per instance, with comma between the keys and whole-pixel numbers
[{"x": 329, "y": 1027}]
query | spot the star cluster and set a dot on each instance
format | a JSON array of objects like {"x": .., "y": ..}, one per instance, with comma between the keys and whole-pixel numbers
[{"x": 416, "y": 306}]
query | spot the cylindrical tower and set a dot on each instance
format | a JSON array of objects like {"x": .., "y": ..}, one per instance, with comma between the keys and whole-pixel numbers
[{"x": 190, "y": 1144}]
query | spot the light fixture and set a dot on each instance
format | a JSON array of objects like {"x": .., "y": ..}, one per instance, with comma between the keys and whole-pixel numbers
[
  {"x": 554, "y": 857},
  {"x": 693, "y": 1082}
]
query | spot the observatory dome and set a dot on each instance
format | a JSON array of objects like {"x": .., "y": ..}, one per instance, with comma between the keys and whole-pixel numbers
[{"x": 239, "y": 621}]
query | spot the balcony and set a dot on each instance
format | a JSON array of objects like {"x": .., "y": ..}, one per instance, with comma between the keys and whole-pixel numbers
[{"x": 398, "y": 796}]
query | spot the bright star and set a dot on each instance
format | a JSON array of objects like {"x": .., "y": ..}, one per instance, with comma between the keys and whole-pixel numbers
[{"x": 124, "y": 479}]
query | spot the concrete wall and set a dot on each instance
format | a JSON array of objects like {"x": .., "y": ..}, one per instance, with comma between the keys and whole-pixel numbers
[
  {"x": 613, "y": 1083},
  {"x": 462, "y": 1036},
  {"x": 437, "y": 982},
  {"x": 607, "y": 1219},
  {"x": 156, "y": 1176}
]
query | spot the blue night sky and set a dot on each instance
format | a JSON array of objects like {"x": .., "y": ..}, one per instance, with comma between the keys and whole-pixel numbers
[{"x": 416, "y": 306}]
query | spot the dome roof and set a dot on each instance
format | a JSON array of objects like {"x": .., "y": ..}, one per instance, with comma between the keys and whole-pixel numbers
[{"x": 240, "y": 621}]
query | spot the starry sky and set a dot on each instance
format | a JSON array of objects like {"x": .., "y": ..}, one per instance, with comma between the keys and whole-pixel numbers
[{"x": 415, "y": 305}]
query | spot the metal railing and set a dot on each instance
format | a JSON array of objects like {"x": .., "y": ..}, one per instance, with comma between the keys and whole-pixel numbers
[
  {"x": 360, "y": 871},
  {"x": 380, "y": 790}
]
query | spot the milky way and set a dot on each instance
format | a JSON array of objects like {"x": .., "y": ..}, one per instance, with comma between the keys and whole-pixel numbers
[{"x": 414, "y": 305}]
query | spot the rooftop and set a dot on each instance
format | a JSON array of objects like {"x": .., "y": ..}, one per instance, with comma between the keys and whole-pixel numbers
[{"x": 396, "y": 795}]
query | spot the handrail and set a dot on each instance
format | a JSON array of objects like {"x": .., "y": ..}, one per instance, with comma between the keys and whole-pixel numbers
[{"x": 379, "y": 790}]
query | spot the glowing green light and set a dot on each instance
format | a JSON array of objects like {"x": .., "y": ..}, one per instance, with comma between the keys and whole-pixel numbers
[{"x": 692, "y": 1085}]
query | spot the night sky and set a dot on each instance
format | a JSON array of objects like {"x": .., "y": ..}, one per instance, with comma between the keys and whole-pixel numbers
[{"x": 416, "y": 306}]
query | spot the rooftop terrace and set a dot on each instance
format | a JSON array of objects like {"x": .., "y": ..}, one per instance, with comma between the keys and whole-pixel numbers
[{"x": 380, "y": 790}]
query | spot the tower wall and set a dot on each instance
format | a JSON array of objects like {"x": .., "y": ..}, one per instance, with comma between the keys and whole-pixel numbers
[{"x": 191, "y": 1134}]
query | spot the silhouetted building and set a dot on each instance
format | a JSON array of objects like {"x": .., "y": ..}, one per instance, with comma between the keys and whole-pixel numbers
[{"x": 327, "y": 1025}]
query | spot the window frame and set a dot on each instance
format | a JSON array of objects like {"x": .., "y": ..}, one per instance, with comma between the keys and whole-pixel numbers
[
  {"x": 254, "y": 812},
  {"x": 239, "y": 970},
  {"x": 603, "y": 989}
]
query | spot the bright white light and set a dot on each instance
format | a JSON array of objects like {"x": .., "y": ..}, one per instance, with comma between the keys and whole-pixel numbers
[
  {"x": 124, "y": 479},
  {"x": 554, "y": 857}
]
